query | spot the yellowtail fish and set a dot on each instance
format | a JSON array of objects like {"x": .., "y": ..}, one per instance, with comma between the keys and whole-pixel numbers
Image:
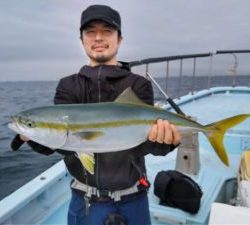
[{"x": 109, "y": 126}]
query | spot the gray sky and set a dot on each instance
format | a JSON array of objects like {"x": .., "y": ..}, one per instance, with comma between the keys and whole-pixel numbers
[{"x": 39, "y": 40}]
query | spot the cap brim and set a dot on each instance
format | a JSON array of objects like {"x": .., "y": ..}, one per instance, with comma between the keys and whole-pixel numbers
[{"x": 101, "y": 18}]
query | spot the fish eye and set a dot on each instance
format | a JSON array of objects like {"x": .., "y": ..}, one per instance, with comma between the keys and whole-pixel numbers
[
  {"x": 27, "y": 122},
  {"x": 30, "y": 124}
]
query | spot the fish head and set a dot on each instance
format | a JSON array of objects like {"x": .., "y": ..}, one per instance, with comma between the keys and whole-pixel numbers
[
  {"x": 24, "y": 125},
  {"x": 40, "y": 130}
]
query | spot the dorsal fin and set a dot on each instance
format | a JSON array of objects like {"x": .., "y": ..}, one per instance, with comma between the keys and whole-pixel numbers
[{"x": 128, "y": 96}]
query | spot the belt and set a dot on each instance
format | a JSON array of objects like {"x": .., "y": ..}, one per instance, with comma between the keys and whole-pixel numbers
[{"x": 104, "y": 195}]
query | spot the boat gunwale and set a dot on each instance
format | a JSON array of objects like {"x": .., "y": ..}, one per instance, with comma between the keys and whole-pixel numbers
[
  {"x": 31, "y": 190},
  {"x": 206, "y": 92}
]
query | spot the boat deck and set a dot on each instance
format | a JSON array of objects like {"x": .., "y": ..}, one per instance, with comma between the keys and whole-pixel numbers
[{"x": 207, "y": 106}]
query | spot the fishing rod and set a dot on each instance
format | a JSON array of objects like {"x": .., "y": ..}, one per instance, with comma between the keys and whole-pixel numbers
[{"x": 168, "y": 99}]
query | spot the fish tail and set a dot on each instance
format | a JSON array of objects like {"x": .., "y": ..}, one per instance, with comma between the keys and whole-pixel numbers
[
  {"x": 216, "y": 133},
  {"x": 88, "y": 161}
]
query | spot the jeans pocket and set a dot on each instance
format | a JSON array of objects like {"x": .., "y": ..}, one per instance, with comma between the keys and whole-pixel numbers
[
  {"x": 76, "y": 217},
  {"x": 76, "y": 210}
]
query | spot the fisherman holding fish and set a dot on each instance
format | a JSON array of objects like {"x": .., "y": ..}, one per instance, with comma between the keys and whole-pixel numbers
[{"x": 107, "y": 186}]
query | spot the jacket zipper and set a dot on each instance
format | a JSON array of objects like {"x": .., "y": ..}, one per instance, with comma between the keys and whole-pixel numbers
[
  {"x": 99, "y": 100},
  {"x": 99, "y": 83}
]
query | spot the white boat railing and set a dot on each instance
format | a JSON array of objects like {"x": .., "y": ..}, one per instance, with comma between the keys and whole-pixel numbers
[{"x": 229, "y": 63}]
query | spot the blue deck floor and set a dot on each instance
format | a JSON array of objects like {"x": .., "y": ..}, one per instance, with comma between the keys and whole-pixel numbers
[{"x": 215, "y": 106}]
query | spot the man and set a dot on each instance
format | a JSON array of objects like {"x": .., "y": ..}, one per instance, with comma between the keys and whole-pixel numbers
[{"x": 117, "y": 192}]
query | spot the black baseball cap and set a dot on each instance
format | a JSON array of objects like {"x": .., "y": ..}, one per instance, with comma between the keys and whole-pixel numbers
[{"x": 103, "y": 13}]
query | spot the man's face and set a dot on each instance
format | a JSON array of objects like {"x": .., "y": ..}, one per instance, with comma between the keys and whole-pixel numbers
[{"x": 101, "y": 42}]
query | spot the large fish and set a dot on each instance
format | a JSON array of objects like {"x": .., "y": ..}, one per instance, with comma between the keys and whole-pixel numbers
[{"x": 110, "y": 126}]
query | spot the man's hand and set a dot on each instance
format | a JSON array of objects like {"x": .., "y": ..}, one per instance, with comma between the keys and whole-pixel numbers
[
  {"x": 23, "y": 138},
  {"x": 164, "y": 132}
]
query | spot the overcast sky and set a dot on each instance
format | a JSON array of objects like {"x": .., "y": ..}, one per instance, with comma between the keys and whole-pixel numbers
[{"x": 39, "y": 39}]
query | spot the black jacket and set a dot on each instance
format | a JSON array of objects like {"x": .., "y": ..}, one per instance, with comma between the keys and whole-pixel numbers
[{"x": 116, "y": 170}]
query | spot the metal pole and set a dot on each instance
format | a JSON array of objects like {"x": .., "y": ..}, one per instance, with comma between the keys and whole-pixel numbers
[
  {"x": 234, "y": 69},
  {"x": 180, "y": 78},
  {"x": 193, "y": 78},
  {"x": 210, "y": 68},
  {"x": 210, "y": 71}
]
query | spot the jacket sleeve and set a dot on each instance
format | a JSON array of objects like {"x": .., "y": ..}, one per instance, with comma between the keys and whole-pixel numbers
[
  {"x": 143, "y": 88},
  {"x": 40, "y": 148},
  {"x": 62, "y": 96}
]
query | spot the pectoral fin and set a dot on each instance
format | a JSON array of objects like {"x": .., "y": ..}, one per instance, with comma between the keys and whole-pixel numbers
[
  {"x": 88, "y": 161},
  {"x": 89, "y": 135}
]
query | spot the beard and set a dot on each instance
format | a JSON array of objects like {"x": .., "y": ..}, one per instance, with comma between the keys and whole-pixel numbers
[{"x": 102, "y": 59}]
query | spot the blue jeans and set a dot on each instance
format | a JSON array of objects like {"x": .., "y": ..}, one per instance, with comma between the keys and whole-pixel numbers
[{"x": 134, "y": 209}]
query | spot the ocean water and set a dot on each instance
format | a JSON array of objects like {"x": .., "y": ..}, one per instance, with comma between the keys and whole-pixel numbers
[{"x": 17, "y": 168}]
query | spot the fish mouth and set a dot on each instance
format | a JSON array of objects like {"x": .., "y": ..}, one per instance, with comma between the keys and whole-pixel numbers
[{"x": 14, "y": 125}]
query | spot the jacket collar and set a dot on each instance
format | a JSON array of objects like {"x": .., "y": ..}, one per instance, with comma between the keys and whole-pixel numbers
[{"x": 108, "y": 71}]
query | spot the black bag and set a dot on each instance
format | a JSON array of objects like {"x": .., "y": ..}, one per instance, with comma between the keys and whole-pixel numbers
[{"x": 177, "y": 190}]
